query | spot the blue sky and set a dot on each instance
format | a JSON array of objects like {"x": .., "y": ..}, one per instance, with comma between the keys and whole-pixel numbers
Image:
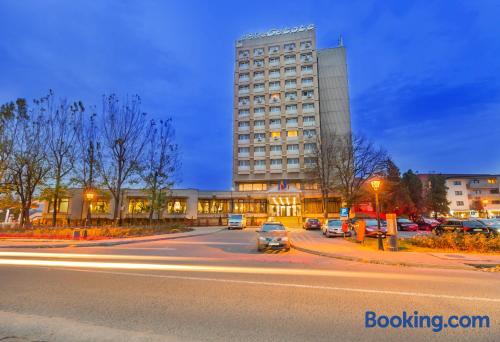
[{"x": 424, "y": 76}]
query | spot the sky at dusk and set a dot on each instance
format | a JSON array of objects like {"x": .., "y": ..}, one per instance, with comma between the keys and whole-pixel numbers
[{"x": 424, "y": 76}]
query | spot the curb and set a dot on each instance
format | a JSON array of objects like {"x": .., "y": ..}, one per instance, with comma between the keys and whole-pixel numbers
[
  {"x": 114, "y": 243},
  {"x": 382, "y": 262}
]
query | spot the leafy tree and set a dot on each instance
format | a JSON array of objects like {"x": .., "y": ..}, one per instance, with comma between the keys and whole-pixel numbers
[
  {"x": 414, "y": 187},
  {"x": 436, "y": 195},
  {"x": 396, "y": 197}
]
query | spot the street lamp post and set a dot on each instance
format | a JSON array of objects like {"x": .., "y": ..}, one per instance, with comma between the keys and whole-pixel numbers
[
  {"x": 89, "y": 196},
  {"x": 376, "y": 183}
]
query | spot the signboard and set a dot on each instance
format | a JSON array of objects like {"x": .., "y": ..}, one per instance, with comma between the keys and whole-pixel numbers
[
  {"x": 344, "y": 212},
  {"x": 392, "y": 227}
]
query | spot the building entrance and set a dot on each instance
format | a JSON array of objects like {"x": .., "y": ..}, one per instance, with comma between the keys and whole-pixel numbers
[{"x": 284, "y": 206}]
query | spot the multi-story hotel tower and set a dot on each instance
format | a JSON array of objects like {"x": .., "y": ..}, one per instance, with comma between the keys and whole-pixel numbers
[{"x": 287, "y": 93}]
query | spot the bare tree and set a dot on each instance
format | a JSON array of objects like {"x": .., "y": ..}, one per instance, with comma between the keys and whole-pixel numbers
[
  {"x": 124, "y": 134},
  {"x": 28, "y": 167},
  {"x": 62, "y": 129},
  {"x": 10, "y": 113},
  {"x": 161, "y": 165}
]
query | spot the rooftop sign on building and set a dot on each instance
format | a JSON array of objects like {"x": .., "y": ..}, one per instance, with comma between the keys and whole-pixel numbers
[{"x": 275, "y": 32}]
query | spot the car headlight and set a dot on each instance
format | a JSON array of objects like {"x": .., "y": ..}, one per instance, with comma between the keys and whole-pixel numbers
[
  {"x": 262, "y": 238},
  {"x": 284, "y": 238}
]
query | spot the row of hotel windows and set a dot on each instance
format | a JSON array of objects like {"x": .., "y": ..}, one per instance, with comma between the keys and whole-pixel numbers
[
  {"x": 275, "y": 49},
  {"x": 275, "y": 61},
  {"x": 259, "y": 75},
  {"x": 289, "y": 84},
  {"x": 290, "y": 109},
  {"x": 461, "y": 203},
  {"x": 309, "y": 161},
  {"x": 478, "y": 192},
  {"x": 477, "y": 181},
  {"x": 309, "y": 147},
  {"x": 308, "y": 133},
  {"x": 265, "y": 186},
  {"x": 276, "y": 122}
]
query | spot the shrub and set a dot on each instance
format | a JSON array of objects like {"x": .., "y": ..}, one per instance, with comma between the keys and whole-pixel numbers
[{"x": 458, "y": 241}]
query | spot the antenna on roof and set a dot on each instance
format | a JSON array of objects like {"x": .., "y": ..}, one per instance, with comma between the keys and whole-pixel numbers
[{"x": 341, "y": 41}]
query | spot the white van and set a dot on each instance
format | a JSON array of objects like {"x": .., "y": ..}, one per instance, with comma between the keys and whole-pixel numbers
[{"x": 236, "y": 221}]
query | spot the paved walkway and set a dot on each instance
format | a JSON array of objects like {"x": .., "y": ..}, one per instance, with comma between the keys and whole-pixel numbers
[
  {"x": 28, "y": 243},
  {"x": 314, "y": 242}
]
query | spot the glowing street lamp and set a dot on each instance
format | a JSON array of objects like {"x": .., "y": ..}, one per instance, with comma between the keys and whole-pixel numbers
[{"x": 376, "y": 185}]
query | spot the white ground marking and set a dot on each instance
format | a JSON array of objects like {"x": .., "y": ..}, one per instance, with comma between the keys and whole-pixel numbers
[{"x": 301, "y": 286}]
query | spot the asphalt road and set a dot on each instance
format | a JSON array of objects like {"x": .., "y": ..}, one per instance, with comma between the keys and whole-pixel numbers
[{"x": 218, "y": 288}]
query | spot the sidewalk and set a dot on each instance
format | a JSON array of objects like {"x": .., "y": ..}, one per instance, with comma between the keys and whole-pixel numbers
[
  {"x": 316, "y": 243},
  {"x": 26, "y": 243}
]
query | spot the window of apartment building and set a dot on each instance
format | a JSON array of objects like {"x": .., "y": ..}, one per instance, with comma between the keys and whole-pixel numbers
[
  {"x": 457, "y": 183},
  {"x": 259, "y": 99},
  {"x": 310, "y": 186},
  {"x": 308, "y": 107},
  {"x": 274, "y": 85},
  {"x": 290, "y": 83},
  {"x": 260, "y": 163},
  {"x": 258, "y": 63},
  {"x": 258, "y": 75},
  {"x": 309, "y": 161},
  {"x": 494, "y": 191},
  {"x": 275, "y": 97},
  {"x": 306, "y": 69},
  {"x": 289, "y": 47},
  {"x": 308, "y": 94},
  {"x": 243, "y": 124},
  {"x": 259, "y": 149},
  {"x": 275, "y": 122},
  {"x": 310, "y": 133},
  {"x": 309, "y": 147},
  {"x": 275, "y": 135},
  {"x": 243, "y": 149},
  {"x": 243, "y": 112},
  {"x": 258, "y": 87},
  {"x": 274, "y": 109},
  {"x": 243, "y": 163},
  {"x": 305, "y": 45},
  {"x": 259, "y": 110},
  {"x": 292, "y": 161},
  {"x": 306, "y": 57},
  {"x": 252, "y": 187},
  {"x": 260, "y": 136},
  {"x": 243, "y": 137},
  {"x": 249, "y": 206},
  {"x": 477, "y": 192},
  {"x": 244, "y": 53},
  {"x": 291, "y": 121},
  {"x": 309, "y": 119},
  {"x": 492, "y": 181},
  {"x": 475, "y": 181},
  {"x": 243, "y": 65},
  {"x": 244, "y": 77},
  {"x": 291, "y": 108},
  {"x": 274, "y": 61},
  {"x": 214, "y": 206},
  {"x": 176, "y": 206},
  {"x": 275, "y": 161},
  {"x": 275, "y": 148},
  {"x": 458, "y": 193},
  {"x": 460, "y": 203},
  {"x": 290, "y": 71},
  {"x": 291, "y": 134},
  {"x": 242, "y": 101},
  {"x": 63, "y": 205},
  {"x": 99, "y": 207},
  {"x": 274, "y": 49},
  {"x": 275, "y": 73},
  {"x": 307, "y": 81},
  {"x": 138, "y": 206},
  {"x": 291, "y": 96},
  {"x": 259, "y": 123},
  {"x": 258, "y": 51},
  {"x": 289, "y": 59},
  {"x": 292, "y": 148}
]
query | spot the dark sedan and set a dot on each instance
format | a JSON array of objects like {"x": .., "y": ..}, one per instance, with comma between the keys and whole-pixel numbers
[
  {"x": 461, "y": 226},
  {"x": 406, "y": 225},
  {"x": 312, "y": 223},
  {"x": 371, "y": 228},
  {"x": 273, "y": 235}
]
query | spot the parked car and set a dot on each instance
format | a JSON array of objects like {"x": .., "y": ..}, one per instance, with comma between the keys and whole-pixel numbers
[
  {"x": 372, "y": 228},
  {"x": 492, "y": 224},
  {"x": 236, "y": 221},
  {"x": 405, "y": 224},
  {"x": 427, "y": 224},
  {"x": 272, "y": 235},
  {"x": 333, "y": 227},
  {"x": 312, "y": 223},
  {"x": 461, "y": 226}
]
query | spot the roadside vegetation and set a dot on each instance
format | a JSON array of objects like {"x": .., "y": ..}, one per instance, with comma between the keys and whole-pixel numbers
[{"x": 457, "y": 242}]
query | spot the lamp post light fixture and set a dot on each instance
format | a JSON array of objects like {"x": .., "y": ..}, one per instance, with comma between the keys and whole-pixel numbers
[
  {"x": 89, "y": 197},
  {"x": 485, "y": 203},
  {"x": 376, "y": 185}
]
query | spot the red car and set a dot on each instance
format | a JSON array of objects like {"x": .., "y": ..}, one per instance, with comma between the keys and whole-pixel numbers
[
  {"x": 427, "y": 224},
  {"x": 312, "y": 223},
  {"x": 407, "y": 225}
]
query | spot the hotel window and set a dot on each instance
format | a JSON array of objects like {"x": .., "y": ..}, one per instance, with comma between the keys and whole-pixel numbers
[
  {"x": 275, "y": 122},
  {"x": 275, "y": 161},
  {"x": 214, "y": 206},
  {"x": 275, "y": 73},
  {"x": 243, "y": 112},
  {"x": 242, "y": 101},
  {"x": 477, "y": 192},
  {"x": 306, "y": 57},
  {"x": 243, "y": 89},
  {"x": 244, "y": 77},
  {"x": 274, "y": 49},
  {"x": 244, "y": 54},
  {"x": 494, "y": 191},
  {"x": 274, "y": 61},
  {"x": 307, "y": 69},
  {"x": 492, "y": 181},
  {"x": 289, "y": 47},
  {"x": 274, "y": 85},
  {"x": 138, "y": 206},
  {"x": 307, "y": 81},
  {"x": 274, "y": 109},
  {"x": 308, "y": 94},
  {"x": 291, "y": 121},
  {"x": 63, "y": 206},
  {"x": 243, "y": 150},
  {"x": 308, "y": 107},
  {"x": 291, "y": 108},
  {"x": 242, "y": 137},
  {"x": 99, "y": 207},
  {"x": 309, "y": 161},
  {"x": 243, "y": 124},
  {"x": 260, "y": 136},
  {"x": 244, "y": 65},
  {"x": 291, "y": 96},
  {"x": 243, "y": 163},
  {"x": 292, "y": 161},
  {"x": 309, "y": 133},
  {"x": 290, "y": 71},
  {"x": 305, "y": 45},
  {"x": 176, "y": 206},
  {"x": 259, "y": 99},
  {"x": 259, "y": 110},
  {"x": 260, "y": 163},
  {"x": 309, "y": 119},
  {"x": 258, "y": 63},
  {"x": 259, "y": 149},
  {"x": 290, "y": 83},
  {"x": 289, "y": 59},
  {"x": 258, "y": 87},
  {"x": 292, "y": 148},
  {"x": 258, "y": 51},
  {"x": 458, "y": 193},
  {"x": 259, "y": 123},
  {"x": 250, "y": 206},
  {"x": 275, "y": 148},
  {"x": 275, "y": 135},
  {"x": 457, "y": 183},
  {"x": 275, "y": 97},
  {"x": 291, "y": 133},
  {"x": 475, "y": 181},
  {"x": 310, "y": 147},
  {"x": 460, "y": 203},
  {"x": 258, "y": 75}
]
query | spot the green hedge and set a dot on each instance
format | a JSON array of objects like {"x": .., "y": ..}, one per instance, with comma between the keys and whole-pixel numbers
[{"x": 458, "y": 242}]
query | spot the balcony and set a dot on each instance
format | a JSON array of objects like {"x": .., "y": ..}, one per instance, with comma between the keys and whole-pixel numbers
[
  {"x": 243, "y": 141},
  {"x": 274, "y": 63},
  {"x": 292, "y": 153},
  {"x": 243, "y": 91},
  {"x": 292, "y": 124},
  {"x": 291, "y": 111},
  {"x": 309, "y": 123},
  {"x": 276, "y": 168},
  {"x": 290, "y": 73},
  {"x": 258, "y": 114},
  {"x": 291, "y": 98},
  {"x": 259, "y": 128},
  {"x": 275, "y": 139},
  {"x": 275, "y": 88},
  {"x": 274, "y": 75},
  {"x": 307, "y": 97},
  {"x": 243, "y": 128},
  {"x": 275, "y": 127},
  {"x": 293, "y": 167},
  {"x": 259, "y": 76},
  {"x": 292, "y": 139},
  {"x": 308, "y": 110},
  {"x": 243, "y": 103},
  {"x": 244, "y": 66},
  {"x": 306, "y": 84},
  {"x": 275, "y": 113},
  {"x": 259, "y": 169},
  {"x": 258, "y": 89},
  {"x": 305, "y": 59},
  {"x": 289, "y": 61},
  {"x": 259, "y": 154},
  {"x": 243, "y": 169},
  {"x": 244, "y": 78},
  {"x": 275, "y": 153},
  {"x": 259, "y": 101},
  {"x": 290, "y": 85},
  {"x": 307, "y": 71},
  {"x": 243, "y": 154}
]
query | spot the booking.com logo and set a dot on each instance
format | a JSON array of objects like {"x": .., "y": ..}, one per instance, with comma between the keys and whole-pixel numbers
[{"x": 434, "y": 322}]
